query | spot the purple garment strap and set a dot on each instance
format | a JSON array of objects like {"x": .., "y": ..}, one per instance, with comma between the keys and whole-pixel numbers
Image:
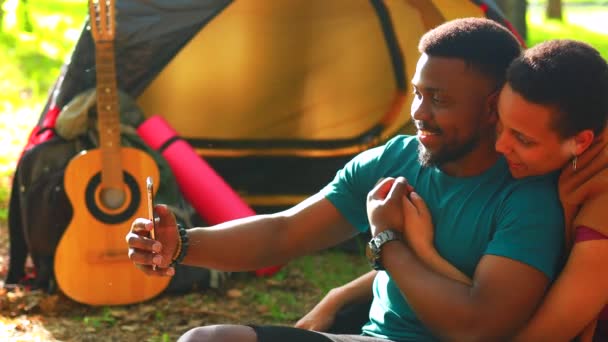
[{"x": 584, "y": 233}]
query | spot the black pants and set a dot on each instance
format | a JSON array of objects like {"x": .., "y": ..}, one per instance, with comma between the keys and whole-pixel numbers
[
  {"x": 274, "y": 333},
  {"x": 351, "y": 318},
  {"x": 348, "y": 321}
]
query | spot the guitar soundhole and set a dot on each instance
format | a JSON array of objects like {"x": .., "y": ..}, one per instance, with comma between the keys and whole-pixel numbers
[
  {"x": 112, "y": 198},
  {"x": 115, "y": 201}
]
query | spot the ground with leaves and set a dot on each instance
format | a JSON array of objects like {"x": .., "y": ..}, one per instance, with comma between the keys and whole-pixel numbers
[{"x": 281, "y": 299}]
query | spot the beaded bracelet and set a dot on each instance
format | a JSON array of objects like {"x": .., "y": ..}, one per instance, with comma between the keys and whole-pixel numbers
[{"x": 182, "y": 246}]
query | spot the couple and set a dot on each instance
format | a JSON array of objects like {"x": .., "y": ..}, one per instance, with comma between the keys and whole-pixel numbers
[
  {"x": 505, "y": 233},
  {"x": 554, "y": 91}
]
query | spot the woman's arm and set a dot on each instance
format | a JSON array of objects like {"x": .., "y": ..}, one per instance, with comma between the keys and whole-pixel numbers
[
  {"x": 581, "y": 290},
  {"x": 435, "y": 261},
  {"x": 576, "y": 298},
  {"x": 322, "y": 316}
]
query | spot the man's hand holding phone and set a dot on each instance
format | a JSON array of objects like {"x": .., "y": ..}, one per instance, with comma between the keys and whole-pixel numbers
[
  {"x": 150, "y": 192},
  {"x": 153, "y": 242}
]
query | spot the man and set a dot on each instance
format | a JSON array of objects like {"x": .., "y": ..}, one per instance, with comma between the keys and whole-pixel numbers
[{"x": 506, "y": 234}]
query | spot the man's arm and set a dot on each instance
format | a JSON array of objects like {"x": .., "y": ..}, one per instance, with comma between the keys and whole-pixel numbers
[
  {"x": 503, "y": 294},
  {"x": 243, "y": 244},
  {"x": 502, "y": 297}
]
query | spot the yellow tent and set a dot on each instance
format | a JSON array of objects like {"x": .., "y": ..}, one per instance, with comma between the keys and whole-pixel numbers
[{"x": 296, "y": 79}]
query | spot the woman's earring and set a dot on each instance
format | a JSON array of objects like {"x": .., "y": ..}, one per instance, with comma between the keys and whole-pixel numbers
[{"x": 574, "y": 162}]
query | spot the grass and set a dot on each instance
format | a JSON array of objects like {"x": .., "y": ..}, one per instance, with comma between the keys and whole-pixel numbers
[{"x": 280, "y": 300}]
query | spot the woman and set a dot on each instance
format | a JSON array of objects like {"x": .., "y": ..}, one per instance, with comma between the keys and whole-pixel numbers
[
  {"x": 553, "y": 113},
  {"x": 553, "y": 80}
]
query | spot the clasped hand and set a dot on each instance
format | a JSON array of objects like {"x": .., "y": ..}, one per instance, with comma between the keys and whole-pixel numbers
[{"x": 393, "y": 204}]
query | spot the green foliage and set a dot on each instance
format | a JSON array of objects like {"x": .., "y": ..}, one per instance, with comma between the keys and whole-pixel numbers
[
  {"x": 105, "y": 318},
  {"x": 338, "y": 269},
  {"x": 279, "y": 304},
  {"x": 159, "y": 316},
  {"x": 190, "y": 298},
  {"x": 4, "y": 197},
  {"x": 581, "y": 23},
  {"x": 30, "y": 61},
  {"x": 165, "y": 337},
  {"x": 321, "y": 273}
]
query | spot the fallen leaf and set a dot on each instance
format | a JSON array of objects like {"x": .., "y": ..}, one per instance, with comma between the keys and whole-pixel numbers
[
  {"x": 129, "y": 328},
  {"x": 273, "y": 282},
  {"x": 195, "y": 323},
  {"x": 48, "y": 304},
  {"x": 234, "y": 293},
  {"x": 119, "y": 313},
  {"x": 262, "y": 309},
  {"x": 147, "y": 309}
]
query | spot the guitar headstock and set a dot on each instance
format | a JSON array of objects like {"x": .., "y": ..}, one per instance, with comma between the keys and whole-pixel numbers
[{"x": 102, "y": 20}]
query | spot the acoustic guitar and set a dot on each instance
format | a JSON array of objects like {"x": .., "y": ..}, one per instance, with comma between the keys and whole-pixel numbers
[{"x": 106, "y": 187}]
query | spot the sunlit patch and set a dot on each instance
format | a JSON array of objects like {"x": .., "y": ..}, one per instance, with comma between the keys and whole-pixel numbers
[
  {"x": 72, "y": 34},
  {"x": 50, "y": 49},
  {"x": 24, "y": 328},
  {"x": 591, "y": 19}
]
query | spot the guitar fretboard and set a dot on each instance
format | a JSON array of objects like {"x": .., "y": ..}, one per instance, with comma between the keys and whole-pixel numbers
[{"x": 108, "y": 115}]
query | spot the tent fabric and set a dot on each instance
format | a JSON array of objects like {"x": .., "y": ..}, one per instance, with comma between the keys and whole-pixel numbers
[
  {"x": 275, "y": 95},
  {"x": 316, "y": 73},
  {"x": 148, "y": 34}
]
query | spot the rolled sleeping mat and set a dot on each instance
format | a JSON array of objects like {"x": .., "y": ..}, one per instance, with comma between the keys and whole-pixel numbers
[{"x": 212, "y": 198}]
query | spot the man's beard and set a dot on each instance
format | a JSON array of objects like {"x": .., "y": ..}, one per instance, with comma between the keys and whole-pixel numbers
[{"x": 447, "y": 153}]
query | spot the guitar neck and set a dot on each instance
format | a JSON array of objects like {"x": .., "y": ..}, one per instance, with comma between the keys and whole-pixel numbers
[{"x": 108, "y": 116}]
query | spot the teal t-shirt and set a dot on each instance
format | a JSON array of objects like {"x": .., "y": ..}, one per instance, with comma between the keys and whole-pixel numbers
[{"x": 491, "y": 213}]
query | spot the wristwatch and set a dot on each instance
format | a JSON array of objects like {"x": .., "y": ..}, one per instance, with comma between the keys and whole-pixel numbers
[{"x": 374, "y": 246}]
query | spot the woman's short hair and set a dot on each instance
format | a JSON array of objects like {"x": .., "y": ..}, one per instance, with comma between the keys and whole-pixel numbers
[{"x": 569, "y": 75}]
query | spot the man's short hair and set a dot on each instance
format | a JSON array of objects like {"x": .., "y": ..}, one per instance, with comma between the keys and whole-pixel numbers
[
  {"x": 483, "y": 44},
  {"x": 570, "y": 75}
]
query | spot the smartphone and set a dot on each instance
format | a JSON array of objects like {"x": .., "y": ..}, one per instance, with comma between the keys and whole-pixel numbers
[{"x": 150, "y": 190}]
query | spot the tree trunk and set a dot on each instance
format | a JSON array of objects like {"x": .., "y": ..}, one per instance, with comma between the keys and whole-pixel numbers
[
  {"x": 1, "y": 15},
  {"x": 515, "y": 11},
  {"x": 554, "y": 9}
]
